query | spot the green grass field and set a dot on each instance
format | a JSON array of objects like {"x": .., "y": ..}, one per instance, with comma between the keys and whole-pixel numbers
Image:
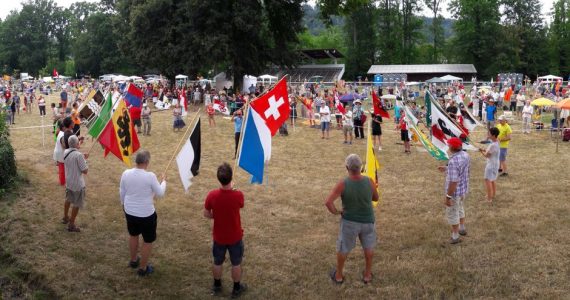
[{"x": 517, "y": 248}]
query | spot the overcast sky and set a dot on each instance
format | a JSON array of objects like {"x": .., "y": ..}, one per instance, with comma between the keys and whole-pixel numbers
[{"x": 9, "y": 5}]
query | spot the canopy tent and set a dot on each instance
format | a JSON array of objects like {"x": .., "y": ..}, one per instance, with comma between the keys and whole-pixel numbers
[
  {"x": 47, "y": 79},
  {"x": 451, "y": 78},
  {"x": 120, "y": 78},
  {"x": 267, "y": 79},
  {"x": 180, "y": 76},
  {"x": 248, "y": 80},
  {"x": 549, "y": 78},
  {"x": 436, "y": 80},
  {"x": 135, "y": 78}
]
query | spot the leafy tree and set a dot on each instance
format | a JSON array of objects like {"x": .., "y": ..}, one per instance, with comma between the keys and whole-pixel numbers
[
  {"x": 559, "y": 38},
  {"x": 436, "y": 28},
  {"x": 390, "y": 31},
  {"x": 411, "y": 26},
  {"x": 477, "y": 34}
]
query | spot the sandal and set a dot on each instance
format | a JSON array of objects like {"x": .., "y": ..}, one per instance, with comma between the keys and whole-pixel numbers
[
  {"x": 369, "y": 280},
  {"x": 73, "y": 228},
  {"x": 333, "y": 277}
]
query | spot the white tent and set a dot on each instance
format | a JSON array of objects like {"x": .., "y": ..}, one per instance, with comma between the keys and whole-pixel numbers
[
  {"x": 549, "y": 78},
  {"x": 180, "y": 76},
  {"x": 120, "y": 78},
  {"x": 47, "y": 79},
  {"x": 222, "y": 81},
  {"x": 248, "y": 80},
  {"x": 451, "y": 78},
  {"x": 267, "y": 78}
]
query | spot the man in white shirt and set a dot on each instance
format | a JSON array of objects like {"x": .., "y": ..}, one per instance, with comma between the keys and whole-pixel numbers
[
  {"x": 325, "y": 114},
  {"x": 137, "y": 190}
]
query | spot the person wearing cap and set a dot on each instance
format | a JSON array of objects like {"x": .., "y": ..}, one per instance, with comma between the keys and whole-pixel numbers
[
  {"x": 325, "y": 114},
  {"x": 357, "y": 115},
  {"x": 491, "y": 111},
  {"x": 145, "y": 116},
  {"x": 456, "y": 188},
  {"x": 504, "y": 140}
]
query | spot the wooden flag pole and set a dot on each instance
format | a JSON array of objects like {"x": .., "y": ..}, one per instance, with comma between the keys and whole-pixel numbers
[{"x": 181, "y": 140}]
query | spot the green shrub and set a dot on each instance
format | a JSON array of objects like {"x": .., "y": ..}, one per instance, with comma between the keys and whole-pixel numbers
[{"x": 8, "y": 171}]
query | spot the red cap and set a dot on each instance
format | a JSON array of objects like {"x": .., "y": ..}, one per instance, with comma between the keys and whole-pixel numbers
[{"x": 455, "y": 143}]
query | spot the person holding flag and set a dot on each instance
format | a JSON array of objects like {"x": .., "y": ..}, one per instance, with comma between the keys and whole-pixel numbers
[{"x": 357, "y": 217}]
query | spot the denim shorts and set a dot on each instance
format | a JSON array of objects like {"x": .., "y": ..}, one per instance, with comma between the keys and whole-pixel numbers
[
  {"x": 503, "y": 154},
  {"x": 235, "y": 250},
  {"x": 325, "y": 126},
  {"x": 350, "y": 230}
]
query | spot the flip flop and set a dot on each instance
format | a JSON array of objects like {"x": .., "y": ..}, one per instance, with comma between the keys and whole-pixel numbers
[
  {"x": 367, "y": 281},
  {"x": 333, "y": 277}
]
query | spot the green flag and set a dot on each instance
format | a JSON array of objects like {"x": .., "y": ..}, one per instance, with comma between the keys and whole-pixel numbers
[{"x": 103, "y": 118}]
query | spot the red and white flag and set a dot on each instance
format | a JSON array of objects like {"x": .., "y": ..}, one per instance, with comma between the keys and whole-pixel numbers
[
  {"x": 55, "y": 73},
  {"x": 273, "y": 107},
  {"x": 378, "y": 109}
]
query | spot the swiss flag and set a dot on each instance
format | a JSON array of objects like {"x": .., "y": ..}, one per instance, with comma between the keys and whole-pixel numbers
[{"x": 273, "y": 107}]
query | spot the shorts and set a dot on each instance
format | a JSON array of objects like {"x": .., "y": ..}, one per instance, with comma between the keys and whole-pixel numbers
[
  {"x": 349, "y": 230},
  {"x": 338, "y": 118},
  {"x": 404, "y": 135},
  {"x": 137, "y": 122},
  {"x": 325, "y": 126},
  {"x": 347, "y": 129},
  {"x": 456, "y": 211},
  {"x": 142, "y": 225},
  {"x": 490, "y": 124},
  {"x": 503, "y": 154},
  {"x": 61, "y": 172},
  {"x": 235, "y": 250},
  {"x": 377, "y": 131},
  {"x": 76, "y": 198},
  {"x": 491, "y": 172}
]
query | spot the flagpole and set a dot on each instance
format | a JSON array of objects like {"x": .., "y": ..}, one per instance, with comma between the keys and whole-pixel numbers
[
  {"x": 244, "y": 121},
  {"x": 182, "y": 140}
]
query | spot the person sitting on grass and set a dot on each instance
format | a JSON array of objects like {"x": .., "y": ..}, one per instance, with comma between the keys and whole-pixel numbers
[
  {"x": 357, "y": 217},
  {"x": 223, "y": 206},
  {"x": 137, "y": 190}
]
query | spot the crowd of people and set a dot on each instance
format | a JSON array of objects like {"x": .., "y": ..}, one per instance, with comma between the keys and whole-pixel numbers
[{"x": 309, "y": 102}]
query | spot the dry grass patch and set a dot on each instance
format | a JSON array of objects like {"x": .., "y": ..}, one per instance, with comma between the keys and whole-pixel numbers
[{"x": 515, "y": 249}]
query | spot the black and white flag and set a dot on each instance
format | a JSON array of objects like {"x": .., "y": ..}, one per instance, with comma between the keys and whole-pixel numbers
[{"x": 188, "y": 159}]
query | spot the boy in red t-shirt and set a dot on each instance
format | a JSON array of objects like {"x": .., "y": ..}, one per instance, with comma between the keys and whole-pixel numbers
[{"x": 223, "y": 206}]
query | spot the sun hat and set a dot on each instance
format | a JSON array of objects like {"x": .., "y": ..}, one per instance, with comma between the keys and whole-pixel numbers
[
  {"x": 357, "y": 101},
  {"x": 455, "y": 143},
  {"x": 502, "y": 118}
]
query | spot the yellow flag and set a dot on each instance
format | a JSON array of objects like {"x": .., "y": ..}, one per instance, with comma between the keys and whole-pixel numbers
[
  {"x": 372, "y": 165},
  {"x": 125, "y": 132}
]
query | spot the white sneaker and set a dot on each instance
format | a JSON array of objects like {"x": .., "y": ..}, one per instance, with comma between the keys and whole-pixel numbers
[{"x": 379, "y": 148}]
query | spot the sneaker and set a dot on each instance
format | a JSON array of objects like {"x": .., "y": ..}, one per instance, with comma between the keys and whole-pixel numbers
[
  {"x": 237, "y": 293},
  {"x": 463, "y": 232},
  {"x": 379, "y": 148},
  {"x": 149, "y": 270},
  {"x": 216, "y": 290},
  {"x": 453, "y": 241},
  {"x": 135, "y": 264}
]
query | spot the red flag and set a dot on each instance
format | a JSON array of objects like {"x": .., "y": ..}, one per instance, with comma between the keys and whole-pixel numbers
[
  {"x": 340, "y": 107},
  {"x": 378, "y": 109},
  {"x": 55, "y": 73},
  {"x": 108, "y": 140},
  {"x": 273, "y": 107}
]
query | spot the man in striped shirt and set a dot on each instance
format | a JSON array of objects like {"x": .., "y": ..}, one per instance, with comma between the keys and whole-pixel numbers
[{"x": 456, "y": 188}]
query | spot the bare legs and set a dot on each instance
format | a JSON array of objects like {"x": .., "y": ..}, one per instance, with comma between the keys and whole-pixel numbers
[
  {"x": 146, "y": 249},
  {"x": 491, "y": 189}
]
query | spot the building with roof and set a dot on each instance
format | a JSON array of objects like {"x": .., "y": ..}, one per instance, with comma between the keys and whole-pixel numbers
[
  {"x": 315, "y": 65},
  {"x": 391, "y": 73}
]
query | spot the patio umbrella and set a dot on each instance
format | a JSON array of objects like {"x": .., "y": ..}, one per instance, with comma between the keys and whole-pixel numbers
[
  {"x": 542, "y": 102},
  {"x": 350, "y": 97},
  {"x": 564, "y": 104}
]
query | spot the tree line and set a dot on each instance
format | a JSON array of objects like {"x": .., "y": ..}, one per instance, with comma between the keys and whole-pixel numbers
[{"x": 240, "y": 37}]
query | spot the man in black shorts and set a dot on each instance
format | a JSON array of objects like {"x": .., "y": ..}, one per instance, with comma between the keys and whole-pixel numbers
[
  {"x": 137, "y": 190},
  {"x": 223, "y": 205}
]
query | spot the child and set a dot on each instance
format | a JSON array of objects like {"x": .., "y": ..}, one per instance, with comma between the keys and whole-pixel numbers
[
  {"x": 178, "y": 122},
  {"x": 404, "y": 133},
  {"x": 492, "y": 166},
  {"x": 210, "y": 110}
]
